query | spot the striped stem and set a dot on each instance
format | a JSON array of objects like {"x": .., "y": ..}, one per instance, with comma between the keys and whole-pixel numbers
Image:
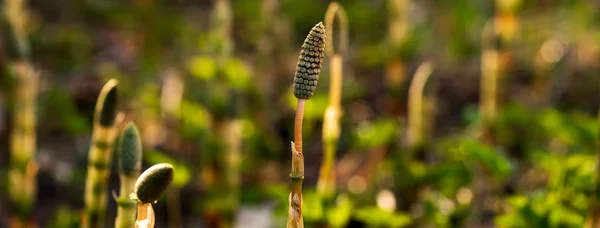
[
  {"x": 100, "y": 153},
  {"x": 23, "y": 167}
]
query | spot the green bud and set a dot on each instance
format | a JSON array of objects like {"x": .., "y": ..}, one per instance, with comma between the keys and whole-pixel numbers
[
  {"x": 153, "y": 182},
  {"x": 130, "y": 151},
  {"x": 309, "y": 63}
]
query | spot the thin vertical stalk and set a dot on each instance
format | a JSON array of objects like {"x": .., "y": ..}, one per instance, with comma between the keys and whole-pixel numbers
[
  {"x": 100, "y": 154},
  {"x": 23, "y": 167},
  {"x": 416, "y": 127},
  {"x": 331, "y": 120},
  {"x": 295, "y": 219},
  {"x": 232, "y": 133},
  {"x": 489, "y": 74}
]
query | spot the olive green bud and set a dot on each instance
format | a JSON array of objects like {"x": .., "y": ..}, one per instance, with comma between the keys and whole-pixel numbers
[
  {"x": 130, "y": 151},
  {"x": 153, "y": 182},
  {"x": 106, "y": 106},
  {"x": 309, "y": 63}
]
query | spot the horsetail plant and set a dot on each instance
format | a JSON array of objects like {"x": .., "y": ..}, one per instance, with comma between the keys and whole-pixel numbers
[
  {"x": 305, "y": 84},
  {"x": 151, "y": 184},
  {"x": 130, "y": 161},
  {"x": 333, "y": 113},
  {"x": 416, "y": 107},
  {"x": 100, "y": 153},
  {"x": 497, "y": 35},
  {"x": 23, "y": 167}
]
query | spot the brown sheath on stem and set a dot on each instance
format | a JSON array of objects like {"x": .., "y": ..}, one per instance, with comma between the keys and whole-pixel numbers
[{"x": 297, "y": 172}]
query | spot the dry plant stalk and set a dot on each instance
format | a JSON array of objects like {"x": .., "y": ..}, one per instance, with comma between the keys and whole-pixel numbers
[
  {"x": 331, "y": 120},
  {"x": 416, "y": 108},
  {"x": 489, "y": 74},
  {"x": 305, "y": 84},
  {"x": 130, "y": 165},
  {"x": 23, "y": 167},
  {"x": 100, "y": 154}
]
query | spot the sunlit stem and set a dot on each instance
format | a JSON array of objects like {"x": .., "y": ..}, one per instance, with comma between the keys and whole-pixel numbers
[
  {"x": 145, "y": 216},
  {"x": 297, "y": 174}
]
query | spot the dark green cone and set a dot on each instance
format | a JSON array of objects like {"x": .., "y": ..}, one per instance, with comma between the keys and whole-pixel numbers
[
  {"x": 153, "y": 182},
  {"x": 309, "y": 63},
  {"x": 109, "y": 104},
  {"x": 130, "y": 151}
]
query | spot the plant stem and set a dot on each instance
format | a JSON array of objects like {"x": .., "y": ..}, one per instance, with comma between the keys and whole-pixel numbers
[
  {"x": 145, "y": 216},
  {"x": 97, "y": 177},
  {"x": 100, "y": 156},
  {"x": 298, "y": 125},
  {"x": 326, "y": 184},
  {"x": 297, "y": 174},
  {"x": 415, "y": 132},
  {"x": 331, "y": 129},
  {"x": 126, "y": 207},
  {"x": 23, "y": 168}
]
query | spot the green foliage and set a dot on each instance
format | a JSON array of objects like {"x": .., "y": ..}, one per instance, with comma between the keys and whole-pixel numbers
[
  {"x": 376, "y": 217},
  {"x": 195, "y": 119},
  {"x": 181, "y": 173},
  {"x": 65, "y": 217},
  {"x": 375, "y": 134},
  {"x": 202, "y": 67}
]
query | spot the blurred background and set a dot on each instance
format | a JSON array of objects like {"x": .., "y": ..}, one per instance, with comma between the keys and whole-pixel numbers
[{"x": 453, "y": 113}]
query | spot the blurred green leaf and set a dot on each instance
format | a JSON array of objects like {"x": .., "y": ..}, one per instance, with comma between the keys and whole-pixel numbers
[
  {"x": 374, "y": 216},
  {"x": 202, "y": 67},
  {"x": 237, "y": 73},
  {"x": 195, "y": 118},
  {"x": 181, "y": 172},
  {"x": 339, "y": 214},
  {"x": 312, "y": 208},
  {"x": 564, "y": 217},
  {"x": 377, "y": 133}
]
